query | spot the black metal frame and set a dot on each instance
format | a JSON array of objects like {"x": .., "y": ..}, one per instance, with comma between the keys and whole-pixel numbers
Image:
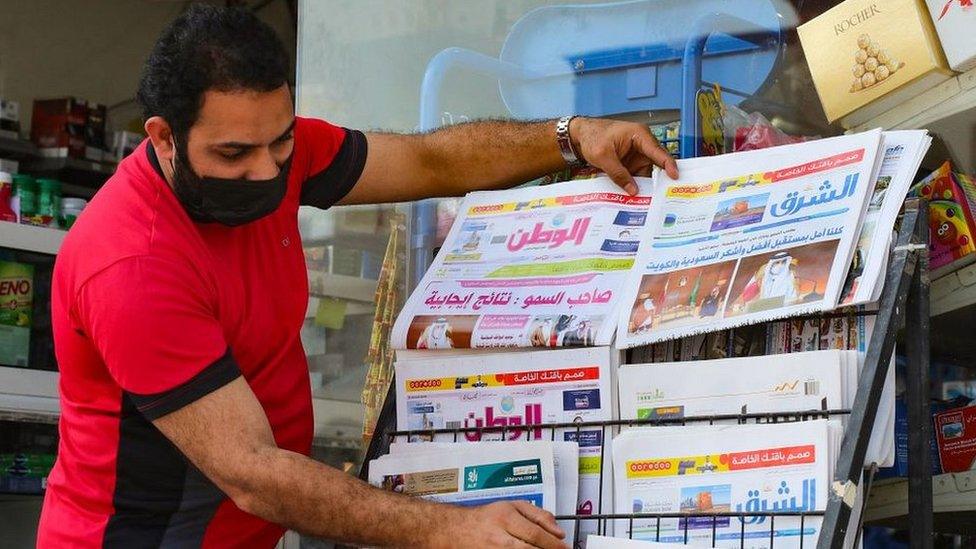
[{"x": 905, "y": 300}]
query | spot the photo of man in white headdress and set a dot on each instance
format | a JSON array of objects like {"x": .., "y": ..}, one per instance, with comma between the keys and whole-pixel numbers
[
  {"x": 436, "y": 336},
  {"x": 775, "y": 280}
]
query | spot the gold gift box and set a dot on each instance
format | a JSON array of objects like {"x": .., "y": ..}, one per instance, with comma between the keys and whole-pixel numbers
[{"x": 868, "y": 56}]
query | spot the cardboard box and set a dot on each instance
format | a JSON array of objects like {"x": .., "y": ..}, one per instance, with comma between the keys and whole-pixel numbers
[
  {"x": 955, "y": 21},
  {"x": 952, "y": 225},
  {"x": 868, "y": 56},
  {"x": 955, "y": 431},
  {"x": 58, "y": 126}
]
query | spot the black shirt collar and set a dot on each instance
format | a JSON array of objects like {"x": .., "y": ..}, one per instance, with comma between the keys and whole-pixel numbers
[{"x": 154, "y": 161}]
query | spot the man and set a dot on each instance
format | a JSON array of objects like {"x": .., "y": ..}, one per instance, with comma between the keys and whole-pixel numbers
[
  {"x": 775, "y": 279},
  {"x": 186, "y": 415},
  {"x": 711, "y": 303}
]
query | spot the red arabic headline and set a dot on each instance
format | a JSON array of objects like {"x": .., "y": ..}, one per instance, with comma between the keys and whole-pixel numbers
[
  {"x": 770, "y": 457},
  {"x": 821, "y": 165}
]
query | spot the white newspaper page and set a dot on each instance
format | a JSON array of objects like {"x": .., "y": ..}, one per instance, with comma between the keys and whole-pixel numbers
[
  {"x": 749, "y": 237},
  {"x": 477, "y": 475},
  {"x": 511, "y": 390},
  {"x": 594, "y": 541},
  {"x": 565, "y": 458},
  {"x": 532, "y": 267},
  {"x": 903, "y": 152},
  {"x": 800, "y": 381},
  {"x": 734, "y": 468}
]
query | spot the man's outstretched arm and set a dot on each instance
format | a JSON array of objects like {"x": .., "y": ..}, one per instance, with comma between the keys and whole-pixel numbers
[
  {"x": 499, "y": 154},
  {"x": 227, "y": 436}
]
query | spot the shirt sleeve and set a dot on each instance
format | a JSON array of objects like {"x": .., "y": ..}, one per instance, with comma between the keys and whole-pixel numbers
[
  {"x": 333, "y": 158},
  {"x": 154, "y": 325}
]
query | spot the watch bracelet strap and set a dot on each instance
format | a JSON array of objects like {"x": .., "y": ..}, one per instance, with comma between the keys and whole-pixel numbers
[{"x": 565, "y": 143}]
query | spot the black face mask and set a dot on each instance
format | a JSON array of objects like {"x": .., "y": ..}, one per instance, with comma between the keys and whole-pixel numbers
[{"x": 230, "y": 202}]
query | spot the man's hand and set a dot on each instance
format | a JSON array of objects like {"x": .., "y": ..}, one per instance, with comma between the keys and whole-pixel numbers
[
  {"x": 621, "y": 149},
  {"x": 503, "y": 524}
]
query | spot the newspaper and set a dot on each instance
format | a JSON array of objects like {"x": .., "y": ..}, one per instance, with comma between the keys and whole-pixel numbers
[
  {"x": 854, "y": 332},
  {"x": 565, "y": 456},
  {"x": 605, "y": 542},
  {"x": 902, "y": 155},
  {"x": 472, "y": 475},
  {"x": 733, "y": 468},
  {"x": 512, "y": 389},
  {"x": 816, "y": 380},
  {"x": 530, "y": 267},
  {"x": 749, "y": 237}
]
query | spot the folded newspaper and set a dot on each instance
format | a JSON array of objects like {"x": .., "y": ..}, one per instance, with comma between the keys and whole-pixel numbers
[
  {"x": 532, "y": 267},
  {"x": 472, "y": 474},
  {"x": 565, "y": 456},
  {"x": 749, "y": 237},
  {"x": 814, "y": 380},
  {"x": 725, "y": 469},
  {"x": 507, "y": 390},
  {"x": 594, "y": 541},
  {"x": 902, "y": 153}
]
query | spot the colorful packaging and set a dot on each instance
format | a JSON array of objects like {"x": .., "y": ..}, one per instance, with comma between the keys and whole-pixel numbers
[
  {"x": 25, "y": 197},
  {"x": 955, "y": 431},
  {"x": 6, "y": 193},
  {"x": 16, "y": 310},
  {"x": 866, "y": 56},
  {"x": 24, "y": 473},
  {"x": 952, "y": 200}
]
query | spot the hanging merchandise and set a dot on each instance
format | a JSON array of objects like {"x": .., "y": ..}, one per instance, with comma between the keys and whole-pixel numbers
[
  {"x": 952, "y": 200},
  {"x": 379, "y": 356},
  {"x": 711, "y": 110}
]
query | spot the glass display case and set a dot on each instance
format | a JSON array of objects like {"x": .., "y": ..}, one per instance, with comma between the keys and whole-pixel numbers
[{"x": 707, "y": 76}]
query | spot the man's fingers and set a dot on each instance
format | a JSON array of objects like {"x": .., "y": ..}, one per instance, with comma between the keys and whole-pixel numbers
[
  {"x": 611, "y": 165},
  {"x": 531, "y": 533},
  {"x": 541, "y": 517},
  {"x": 649, "y": 146}
]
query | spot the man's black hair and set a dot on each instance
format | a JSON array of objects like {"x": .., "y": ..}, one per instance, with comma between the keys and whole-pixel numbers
[{"x": 209, "y": 48}]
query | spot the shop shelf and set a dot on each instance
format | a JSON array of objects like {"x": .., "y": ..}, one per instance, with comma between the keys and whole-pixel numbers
[
  {"x": 28, "y": 395},
  {"x": 352, "y": 308},
  {"x": 956, "y": 289},
  {"x": 71, "y": 170},
  {"x": 34, "y": 239},
  {"x": 16, "y": 148},
  {"x": 345, "y": 287},
  {"x": 954, "y": 500},
  {"x": 949, "y": 98}
]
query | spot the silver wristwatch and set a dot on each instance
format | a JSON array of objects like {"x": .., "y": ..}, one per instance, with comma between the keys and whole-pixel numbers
[{"x": 566, "y": 144}]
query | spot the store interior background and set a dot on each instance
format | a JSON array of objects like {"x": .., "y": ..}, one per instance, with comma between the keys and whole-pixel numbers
[{"x": 360, "y": 64}]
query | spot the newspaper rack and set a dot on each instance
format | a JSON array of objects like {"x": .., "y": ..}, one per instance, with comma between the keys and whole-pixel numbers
[{"x": 904, "y": 302}]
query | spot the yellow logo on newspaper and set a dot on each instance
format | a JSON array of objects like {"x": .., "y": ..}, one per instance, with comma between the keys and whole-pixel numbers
[
  {"x": 454, "y": 383},
  {"x": 509, "y": 207},
  {"x": 721, "y": 186},
  {"x": 669, "y": 467}
]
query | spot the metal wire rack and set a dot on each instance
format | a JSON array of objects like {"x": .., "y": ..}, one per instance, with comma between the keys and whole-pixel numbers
[{"x": 904, "y": 301}]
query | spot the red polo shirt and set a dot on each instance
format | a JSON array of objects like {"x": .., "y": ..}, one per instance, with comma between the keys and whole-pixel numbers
[{"x": 152, "y": 311}]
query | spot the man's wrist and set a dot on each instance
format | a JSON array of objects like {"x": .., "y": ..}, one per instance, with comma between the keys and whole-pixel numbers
[
  {"x": 568, "y": 143},
  {"x": 574, "y": 132}
]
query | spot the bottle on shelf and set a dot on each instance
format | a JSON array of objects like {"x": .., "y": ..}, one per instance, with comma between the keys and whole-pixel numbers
[
  {"x": 49, "y": 203},
  {"x": 25, "y": 198},
  {"x": 6, "y": 193}
]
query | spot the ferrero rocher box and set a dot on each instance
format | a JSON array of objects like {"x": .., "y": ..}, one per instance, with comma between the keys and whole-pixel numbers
[{"x": 868, "y": 56}]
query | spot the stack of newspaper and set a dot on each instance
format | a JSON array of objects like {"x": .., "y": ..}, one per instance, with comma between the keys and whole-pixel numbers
[
  {"x": 594, "y": 541},
  {"x": 761, "y": 235},
  {"x": 814, "y": 380},
  {"x": 474, "y": 474},
  {"x": 699, "y": 470},
  {"x": 501, "y": 392}
]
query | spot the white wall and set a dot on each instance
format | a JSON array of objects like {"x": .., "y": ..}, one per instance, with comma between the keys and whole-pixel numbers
[{"x": 92, "y": 49}]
